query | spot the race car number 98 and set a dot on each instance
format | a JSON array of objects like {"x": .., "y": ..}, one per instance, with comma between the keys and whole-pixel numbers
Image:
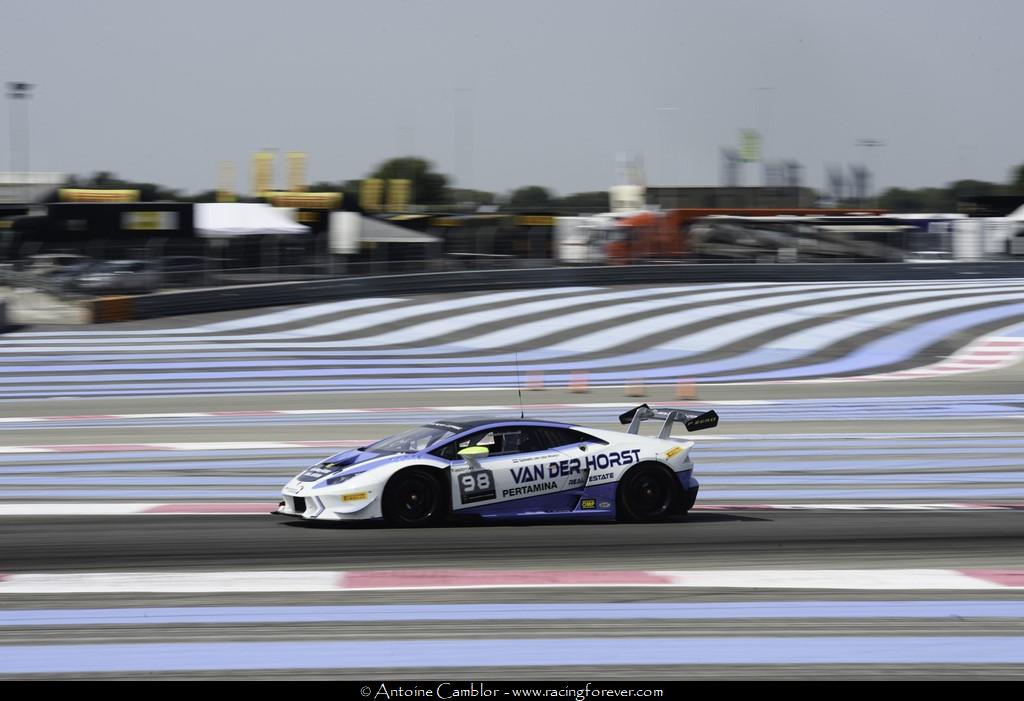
[{"x": 477, "y": 485}]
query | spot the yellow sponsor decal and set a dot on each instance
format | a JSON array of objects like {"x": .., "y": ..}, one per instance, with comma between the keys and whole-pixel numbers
[
  {"x": 588, "y": 504},
  {"x": 370, "y": 192},
  {"x": 296, "y": 171},
  {"x": 398, "y": 194},
  {"x": 150, "y": 220},
  {"x": 262, "y": 172},
  {"x": 535, "y": 220},
  {"x": 673, "y": 452},
  {"x": 77, "y": 194},
  {"x": 354, "y": 497},
  {"x": 445, "y": 221},
  {"x": 305, "y": 200}
]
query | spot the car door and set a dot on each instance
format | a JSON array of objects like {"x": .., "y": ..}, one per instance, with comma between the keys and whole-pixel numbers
[
  {"x": 574, "y": 467},
  {"x": 520, "y": 464}
]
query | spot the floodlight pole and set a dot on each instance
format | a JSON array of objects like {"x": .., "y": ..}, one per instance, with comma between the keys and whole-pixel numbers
[
  {"x": 872, "y": 144},
  {"x": 18, "y": 91}
]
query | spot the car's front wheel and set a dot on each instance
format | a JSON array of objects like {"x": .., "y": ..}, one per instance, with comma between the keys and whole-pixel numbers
[
  {"x": 413, "y": 497},
  {"x": 647, "y": 493}
]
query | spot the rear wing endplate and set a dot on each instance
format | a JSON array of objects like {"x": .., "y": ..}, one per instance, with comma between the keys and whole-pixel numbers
[{"x": 693, "y": 420}]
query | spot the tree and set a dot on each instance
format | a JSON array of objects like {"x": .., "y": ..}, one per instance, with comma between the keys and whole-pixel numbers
[
  {"x": 428, "y": 187},
  {"x": 898, "y": 199},
  {"x": 530, "y": 197},
  {"x": 1016, "y": 185},
  {"x": 937, "y": 199},
  {"x": 458, "y": 195},
  {"x": 585, "y": 201},
  {"x": 962, "y": 188},
  {"x": 204, "y": 196}
]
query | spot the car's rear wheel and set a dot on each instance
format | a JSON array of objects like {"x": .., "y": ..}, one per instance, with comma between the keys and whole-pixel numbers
[
  {"x": 413, "y": 497},
  {"x": 647, "y": 493}
]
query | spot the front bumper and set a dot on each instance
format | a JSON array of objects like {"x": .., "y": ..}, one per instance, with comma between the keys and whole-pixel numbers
[
  {"x": 302, "y": 507},
  {"x": 329, "y": 504}
]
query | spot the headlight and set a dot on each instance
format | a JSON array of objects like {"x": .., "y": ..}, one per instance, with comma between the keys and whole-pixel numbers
[{"x": 336, "y": 479}]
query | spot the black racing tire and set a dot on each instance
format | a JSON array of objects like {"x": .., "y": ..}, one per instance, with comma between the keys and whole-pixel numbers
[
  {"x": 647, "y": 493},
  {"x": 414, "y": 497}
]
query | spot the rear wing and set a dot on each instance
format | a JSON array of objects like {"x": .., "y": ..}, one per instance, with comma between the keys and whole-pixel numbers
[{"x": 693, "y": 420}]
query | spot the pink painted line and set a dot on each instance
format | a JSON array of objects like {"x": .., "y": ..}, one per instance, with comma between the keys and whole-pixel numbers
[
  {"x": 209, "y": 508},
  {"x": 1015, "y": 507},
  {"x": 121, "y": 447},
  {"x": 858, "y": 506},
  {"x": 328, "y": 444},
  {"x": 1005, "y": 578},
  {"x": 254, "y": 507},
  {"x": 968, "y": 359},
  {"x": 93, "y": 447},
  {"x": 400, "y": 579}
]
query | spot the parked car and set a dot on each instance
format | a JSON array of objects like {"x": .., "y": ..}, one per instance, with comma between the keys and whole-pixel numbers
[
  {"x": 119, "y": 277},
  {"x": 50, "y": 263},
  {"x": 929, "y": 257},
  {"x": 65, "y": 279}
]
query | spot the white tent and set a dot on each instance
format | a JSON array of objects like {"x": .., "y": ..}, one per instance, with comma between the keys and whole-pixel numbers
[
  {"x": 349, "y": 230},
  {"x": 229, "y": 219},
  {"x": 1017, "y": 214}
]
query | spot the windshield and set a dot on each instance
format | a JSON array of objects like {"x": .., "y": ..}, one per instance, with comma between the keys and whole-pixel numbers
[{"x": 413, "y": 440}]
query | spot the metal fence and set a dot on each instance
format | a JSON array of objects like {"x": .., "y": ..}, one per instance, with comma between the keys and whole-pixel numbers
[
  {"x": 213, "y": 273},
  {"x": 354, "y": 286}
]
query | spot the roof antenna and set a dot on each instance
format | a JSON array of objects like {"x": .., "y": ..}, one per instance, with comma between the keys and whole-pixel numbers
[{"x": 519, "y": 387}]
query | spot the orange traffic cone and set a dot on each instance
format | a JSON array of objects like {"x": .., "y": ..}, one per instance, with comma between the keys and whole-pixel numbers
[
  {"x": 535, "y": 380},
  {"x": 636, "y": 389},
  {"x": 686, "y": 388},
  {"x": 578, "y": 383}
]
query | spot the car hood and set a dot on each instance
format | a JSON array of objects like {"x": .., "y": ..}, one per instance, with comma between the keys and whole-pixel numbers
[{"x": 349, "y": 462}]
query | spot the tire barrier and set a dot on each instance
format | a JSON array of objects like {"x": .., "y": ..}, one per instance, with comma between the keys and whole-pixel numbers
[{"x": 114, "y": 308}]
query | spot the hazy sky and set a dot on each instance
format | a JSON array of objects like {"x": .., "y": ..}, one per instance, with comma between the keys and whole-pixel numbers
[{"x": 516, "y": 92}]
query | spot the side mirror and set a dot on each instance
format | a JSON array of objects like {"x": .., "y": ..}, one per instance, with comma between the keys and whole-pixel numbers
[{"x": 473, "y": 454}]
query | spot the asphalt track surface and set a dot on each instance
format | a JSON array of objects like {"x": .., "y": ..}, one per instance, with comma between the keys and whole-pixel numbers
[
  {"x": 750, "y": 540},
  {"x": 710, "y": 540}
]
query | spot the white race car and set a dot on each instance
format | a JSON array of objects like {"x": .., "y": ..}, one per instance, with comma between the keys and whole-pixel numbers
[{"x": 506, "y": 468}]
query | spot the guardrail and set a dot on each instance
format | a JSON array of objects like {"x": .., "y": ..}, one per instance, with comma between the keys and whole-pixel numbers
[{"x": 270, "y": 294}]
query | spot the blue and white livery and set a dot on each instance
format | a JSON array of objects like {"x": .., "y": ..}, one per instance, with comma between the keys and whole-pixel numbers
[{"x": 506, "y": 468}]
